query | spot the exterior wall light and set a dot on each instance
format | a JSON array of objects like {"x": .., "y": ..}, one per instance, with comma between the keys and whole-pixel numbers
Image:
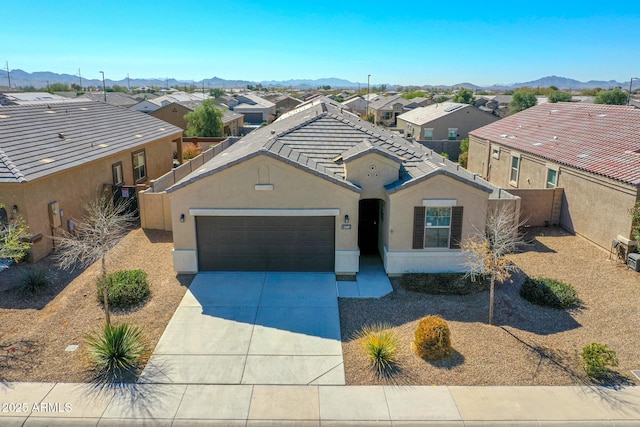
[
  {"x": 346, "y": 219},
  {"x": 181, "y": 217}
]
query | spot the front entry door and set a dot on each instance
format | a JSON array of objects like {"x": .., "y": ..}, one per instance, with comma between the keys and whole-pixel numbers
[{"x": 368, "y": 226}]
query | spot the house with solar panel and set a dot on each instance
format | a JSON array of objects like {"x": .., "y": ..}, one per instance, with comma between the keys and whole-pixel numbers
[
  {"x": 319, "y": 188},
  {"x": 572, "y": 164},
  {"x": 54, "y": 157}
]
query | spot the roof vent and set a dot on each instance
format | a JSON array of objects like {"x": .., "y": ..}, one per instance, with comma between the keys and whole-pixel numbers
[
  {"x": 583, "y": 156},
  {"x": 61, "y": 135},
  {"x": 273, "y": 132},
  {"x": 504, "y": 136},
  {"x": 554, "y": 138},
  {"x": 601, "y": 115}
]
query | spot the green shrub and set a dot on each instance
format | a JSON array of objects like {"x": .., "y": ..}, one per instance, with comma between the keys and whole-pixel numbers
[
  {"x": 115, "y": 351},
  {"x": 432, "y": 338},
  {"x": 380, "y": 344},
  {"x": 34, "y": 281},
  {"x": 596, "y": 359},
  {"x": 443, "y": 283},
  {"x": 125, "y": 288},
  {"x": 549, "y": 292}
]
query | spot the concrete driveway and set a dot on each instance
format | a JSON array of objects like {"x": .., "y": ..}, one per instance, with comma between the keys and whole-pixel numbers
[{"x": 252, "y": 328}]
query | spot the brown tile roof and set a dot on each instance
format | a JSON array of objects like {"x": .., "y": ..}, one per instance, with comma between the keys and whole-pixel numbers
[{"x": 602, "y": 139}]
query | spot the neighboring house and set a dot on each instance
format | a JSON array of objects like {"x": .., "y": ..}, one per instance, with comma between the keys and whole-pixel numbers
[
  {"x": 591, "y": 151},
  {"x": 419, "y": 101},
  {"x": 356, "y": 104},
  {"x": 114, "y": 98},
  {"x": 174, "y": 113},
  {"x": 55, "y": 158},
  {"x": 319, "y": 187},
  {"x": 447, "y": 121},
  {"x": 256, "y": 110},
  {"x": 20, "y": 98},
  {"x": 386, "y": 109},
  {"x": 284, "y": 103},
  {"x": 189, "y": 99}
]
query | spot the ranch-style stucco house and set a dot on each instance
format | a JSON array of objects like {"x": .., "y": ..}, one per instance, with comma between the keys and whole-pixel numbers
[{"x": 318, "y": 188}]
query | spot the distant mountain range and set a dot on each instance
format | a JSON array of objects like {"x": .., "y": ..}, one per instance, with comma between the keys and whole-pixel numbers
[{"x": 40, "y": 79}]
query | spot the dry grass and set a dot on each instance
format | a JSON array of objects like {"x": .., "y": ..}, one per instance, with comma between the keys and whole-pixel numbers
[
  {"x": 34, "y": 332},
  {"x": 530, "y": 345}
]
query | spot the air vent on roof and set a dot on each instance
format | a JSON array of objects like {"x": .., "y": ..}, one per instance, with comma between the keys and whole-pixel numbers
[
  {"x": 504, "y": 136},
  {"x": 453, "y": 108},
  {"x": 583, "y": 156},
  {"x": 554, "y": 111},
  {"x": 537, "y": 144},
  {"x": 3, "y": 116},
  {"x": 601, "y": 115}
]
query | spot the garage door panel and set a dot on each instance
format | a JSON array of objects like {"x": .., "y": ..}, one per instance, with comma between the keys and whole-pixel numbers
[{"x": 266, "y": 243}]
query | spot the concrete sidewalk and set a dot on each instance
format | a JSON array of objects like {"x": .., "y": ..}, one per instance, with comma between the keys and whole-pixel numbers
[{"x": 34, "y": 404}]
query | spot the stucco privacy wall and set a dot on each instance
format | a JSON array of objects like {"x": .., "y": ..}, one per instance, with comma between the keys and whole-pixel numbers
[
  {"x": 539, "y": 206},
  {"x": 73, "y": 188},
  {"x": 399, "y": 257},
  {"x": 235, "y": 188}
]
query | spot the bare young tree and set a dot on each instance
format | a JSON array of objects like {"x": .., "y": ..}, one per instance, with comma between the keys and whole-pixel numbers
[
  {"x": 487, "y": 251},
  {"x": 103, "y": 225}
]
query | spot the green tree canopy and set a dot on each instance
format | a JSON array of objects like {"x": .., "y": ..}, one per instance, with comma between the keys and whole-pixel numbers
[
  {"x": 14, "y": 237},
  {"x": 464, "y": 96},
  {"x": 522, "y": 100},
  {"x": 206, "y": 120},
  {"x": 559, "y": 96},
  {"x": 216, "y": 92},
  {"x": 62, "y": 87},
  {"x": 612, "y": 97},
  {"x": 118, "y": 88},
  {"x": 415, "y": 94}
]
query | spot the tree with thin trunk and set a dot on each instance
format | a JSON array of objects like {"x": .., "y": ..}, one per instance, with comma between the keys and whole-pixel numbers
[
  {"x": 104, "y": 223},
  {"x": 487, "y": 252}
]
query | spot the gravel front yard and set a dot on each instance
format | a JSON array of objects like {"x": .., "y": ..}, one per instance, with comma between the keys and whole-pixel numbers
[
  {"x": 34, "y": 332},
  {"x": 498, "y": 355}
]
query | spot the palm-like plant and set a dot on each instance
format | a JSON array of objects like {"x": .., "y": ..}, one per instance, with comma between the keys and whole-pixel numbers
[{"x": 116, "y": 350}]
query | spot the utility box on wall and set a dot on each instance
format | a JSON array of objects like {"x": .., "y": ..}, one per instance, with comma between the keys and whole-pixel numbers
[{"x": 633, "y": 261}]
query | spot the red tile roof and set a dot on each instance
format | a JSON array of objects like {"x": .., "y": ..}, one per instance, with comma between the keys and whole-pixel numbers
[{"x": 602, "y": 139}]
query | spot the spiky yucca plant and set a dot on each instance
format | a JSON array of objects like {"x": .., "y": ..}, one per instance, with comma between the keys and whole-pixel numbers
[
  {"x": 116, "y": 350},
  {"x": 381, "y": 345}
]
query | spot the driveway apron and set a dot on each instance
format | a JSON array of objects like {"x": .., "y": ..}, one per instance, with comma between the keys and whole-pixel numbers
[{"x": 252, "y": 328}]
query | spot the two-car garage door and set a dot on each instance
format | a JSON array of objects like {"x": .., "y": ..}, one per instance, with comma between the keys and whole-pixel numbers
[{"x": 266, "y": 243}]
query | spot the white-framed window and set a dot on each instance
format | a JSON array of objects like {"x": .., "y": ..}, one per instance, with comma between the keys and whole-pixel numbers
[
  {"x": 118, "y": 178},
  {"x": 139, "y": 166},
  {"x": 428, "y": 134},
  {"x": 495, "y": 153},
  {"x": 515, "y": 170},
  {"x": 453, "y": 134},
  {"x": 552, "y": 178},
  {"x": 437, "y": 227}
]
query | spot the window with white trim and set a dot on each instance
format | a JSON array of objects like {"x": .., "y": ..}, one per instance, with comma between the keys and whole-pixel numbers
[
  {"x": 139, "y": 166},
  {"x": 515, "y": 170},
  {"x": 428, "y": 134},
  {"x": 116, "y": 171},
  {"x": 437, "y": 227},
  {"x": 552, "y": 178}
]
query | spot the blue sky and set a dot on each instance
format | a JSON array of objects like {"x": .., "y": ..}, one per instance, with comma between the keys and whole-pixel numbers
[{"x": 397, "y": 42}]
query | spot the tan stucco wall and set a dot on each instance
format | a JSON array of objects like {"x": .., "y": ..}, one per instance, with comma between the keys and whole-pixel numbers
[
  {"x": 596, "y": 207},
  {"x": 372, "y": 172},
  {"x": 592, "y": 206},
  {"x": 73, "y": 188},
  {"x": 168, "y": 114},
  {"x": 234, "y": 187},
  {"x": 403, "y": 202}
]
